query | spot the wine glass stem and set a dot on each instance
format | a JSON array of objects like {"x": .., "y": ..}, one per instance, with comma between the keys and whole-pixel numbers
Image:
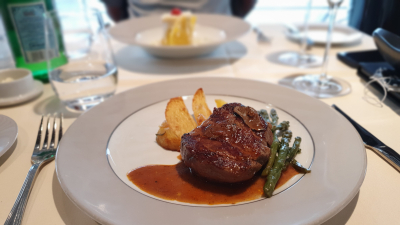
[
  {"x": 323, "y": 78},
  {"x": 303, "y": 46}
]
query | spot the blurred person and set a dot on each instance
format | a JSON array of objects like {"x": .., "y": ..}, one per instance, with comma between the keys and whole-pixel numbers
[
  {"x": 367, "y": 15},
  {"x": 123, "y": 9}
]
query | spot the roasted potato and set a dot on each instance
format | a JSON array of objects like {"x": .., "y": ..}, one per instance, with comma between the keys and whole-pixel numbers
[
  {"x": 178, "y": 117},
  {"x": 199, "y": 105},
  {"x": 167, "y": 139}
]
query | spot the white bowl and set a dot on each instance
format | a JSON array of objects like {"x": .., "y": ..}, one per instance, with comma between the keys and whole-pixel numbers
[
  {"x": 211, "y": 30},
  {"x": 17, "y": 85}
]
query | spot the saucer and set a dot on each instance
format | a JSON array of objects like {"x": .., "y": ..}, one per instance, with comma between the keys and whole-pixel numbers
[
  {"x": 36, "y": 90},
  {"x": 8, "y": 133}
]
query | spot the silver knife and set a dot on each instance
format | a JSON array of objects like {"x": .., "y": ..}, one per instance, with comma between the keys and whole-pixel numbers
[{"x": 373, "y": 143}]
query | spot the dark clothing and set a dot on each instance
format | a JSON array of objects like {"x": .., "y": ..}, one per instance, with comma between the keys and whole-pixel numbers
[{"x": 367, "y": 15}]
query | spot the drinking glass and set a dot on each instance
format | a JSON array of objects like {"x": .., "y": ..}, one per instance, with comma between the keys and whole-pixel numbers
[
  {"x": 321, "y": 85},
  {"x": 301, "y": 59},
  {"x": 90, "y": 75},
  {"x": 6, "y": 59}
]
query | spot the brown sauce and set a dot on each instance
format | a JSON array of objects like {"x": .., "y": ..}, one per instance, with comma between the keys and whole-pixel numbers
[{"x": 176, "y": 182}]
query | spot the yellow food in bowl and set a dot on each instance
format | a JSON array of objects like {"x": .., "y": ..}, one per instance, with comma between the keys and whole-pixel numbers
[{"x": 179, "y": 29}]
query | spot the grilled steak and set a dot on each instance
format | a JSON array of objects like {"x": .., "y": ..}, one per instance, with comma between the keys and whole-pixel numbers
[{"x": 230, "y": 146}]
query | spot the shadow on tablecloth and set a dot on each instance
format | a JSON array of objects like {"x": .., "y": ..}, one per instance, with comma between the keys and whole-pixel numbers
[
  {"x": 135, "y": 59},
  {"x": 52, "y": 105},
  {"x": 69, "y": 212},
  {"x": 343, "y": 216}
]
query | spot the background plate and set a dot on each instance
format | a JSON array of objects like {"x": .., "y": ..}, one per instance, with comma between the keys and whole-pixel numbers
[
  {"x": 127, "y": 32},
  {"x": 8, "y": 133},
  {"x": 342, "y": 35}
]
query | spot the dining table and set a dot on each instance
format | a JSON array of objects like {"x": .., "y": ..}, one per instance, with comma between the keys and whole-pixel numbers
[{"x": 377, "y": 202}]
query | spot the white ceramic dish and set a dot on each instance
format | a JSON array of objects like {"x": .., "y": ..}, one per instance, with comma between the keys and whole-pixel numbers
[
  {"x": 8, "y": 133},
  {"x": 17, "y": 86},
  {"x": 342, "y": 35},
  {"x": 93, "y": 157},
  {"x": 37, "y": 90},
  {"x": 147, "y": 33}
]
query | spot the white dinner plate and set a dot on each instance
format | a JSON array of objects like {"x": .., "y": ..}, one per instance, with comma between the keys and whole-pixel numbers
[
  {"x": 210, "y": 32},
  {"x": 342, "y": 35},
  {"x": 108, "y": 141},
  {"x": 8, "y": 133}
]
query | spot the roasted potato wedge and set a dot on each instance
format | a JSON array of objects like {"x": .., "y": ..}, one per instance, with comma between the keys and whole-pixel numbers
[
  {"x": 200, "y": 108},
  {"x": 167, "y": 139},
  {"x": 178, "y": 117},
  {"x": 220, "y": 102}
]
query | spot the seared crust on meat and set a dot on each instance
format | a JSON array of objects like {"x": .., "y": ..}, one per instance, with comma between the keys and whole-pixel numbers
[{"x": 224, "y": 148}]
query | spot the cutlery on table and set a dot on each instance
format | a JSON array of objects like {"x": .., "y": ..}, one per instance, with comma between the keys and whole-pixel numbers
[
  {"x": 296, "y": 32},
  {"x": 261, "y": 37},
  {"x": 39, "y": 157},
  {"x": 374, "y": 144}
]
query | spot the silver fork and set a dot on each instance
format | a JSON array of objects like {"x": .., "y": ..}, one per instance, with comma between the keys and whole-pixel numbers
[{"x": 39, "y": 157}]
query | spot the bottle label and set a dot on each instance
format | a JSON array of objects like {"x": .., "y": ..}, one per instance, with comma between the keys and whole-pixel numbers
[{"x": 28, "y": 20}]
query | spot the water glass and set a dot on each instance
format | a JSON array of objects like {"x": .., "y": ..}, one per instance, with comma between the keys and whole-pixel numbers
[
  {"x": 6, "y": 59},
  {"x": 90, "y": 74}
]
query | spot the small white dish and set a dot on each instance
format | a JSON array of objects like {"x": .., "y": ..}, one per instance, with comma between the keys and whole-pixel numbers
[
  {"x": 210, "y": 31},
  {"x": 342, "y": 35},
  {"x": 8, "y": 133},
  {"x": 17, "y": 86}
]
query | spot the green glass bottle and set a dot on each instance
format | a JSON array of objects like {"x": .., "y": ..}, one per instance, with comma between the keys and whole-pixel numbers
[{"x": 24, "y": 24}]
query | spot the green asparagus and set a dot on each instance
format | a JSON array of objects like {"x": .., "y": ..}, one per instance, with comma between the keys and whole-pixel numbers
[
  {"x": 274, "y": 117},
  {"x": 276, "y": 170},
  {"x": 264, "y": 114},
  {"x": 271, "y": 160},
  {"x": 293, "y": 151},
  {"x": 282, "y": 126},
  {"x": 298, "y": 167}
]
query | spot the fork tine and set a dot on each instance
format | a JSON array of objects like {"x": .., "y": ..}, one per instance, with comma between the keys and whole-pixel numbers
[
  {"x": 53, "y": 134},
  {"x": 46, "y": 137},
  {"x": 39, "y": 136},
  {"x": 60, "y": 130}
]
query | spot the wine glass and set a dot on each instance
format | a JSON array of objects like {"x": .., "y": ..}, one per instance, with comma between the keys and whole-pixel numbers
[
  {"x": 301, "y": 58},
  {"x": 321, "y": 85}
]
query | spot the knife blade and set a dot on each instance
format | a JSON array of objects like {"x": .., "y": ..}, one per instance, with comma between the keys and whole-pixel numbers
[{"x": 373, "y": 143}]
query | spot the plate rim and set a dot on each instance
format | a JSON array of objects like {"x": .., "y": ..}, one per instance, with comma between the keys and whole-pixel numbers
[
  {"x": 98, "y": 214},
  {"x": 14, "y": 136}
]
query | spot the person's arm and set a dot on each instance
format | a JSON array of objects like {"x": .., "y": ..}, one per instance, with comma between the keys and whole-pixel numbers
[
  {"x": 117, "y": 9},
  {"x": 241, "y": 8}
]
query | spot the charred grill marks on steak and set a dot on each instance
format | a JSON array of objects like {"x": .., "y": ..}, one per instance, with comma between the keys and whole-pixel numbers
[{"x": 230, "y": 146}]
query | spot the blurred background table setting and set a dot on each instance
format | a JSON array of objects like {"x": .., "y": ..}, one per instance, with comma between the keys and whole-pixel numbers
[{"x": 110, "y": 68}]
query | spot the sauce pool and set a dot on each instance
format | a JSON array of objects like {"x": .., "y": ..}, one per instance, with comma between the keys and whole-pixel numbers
[{"x": 176, "y": 182}]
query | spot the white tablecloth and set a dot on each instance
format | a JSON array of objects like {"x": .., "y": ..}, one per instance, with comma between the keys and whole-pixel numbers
[{"x": 378, "y": 201}]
